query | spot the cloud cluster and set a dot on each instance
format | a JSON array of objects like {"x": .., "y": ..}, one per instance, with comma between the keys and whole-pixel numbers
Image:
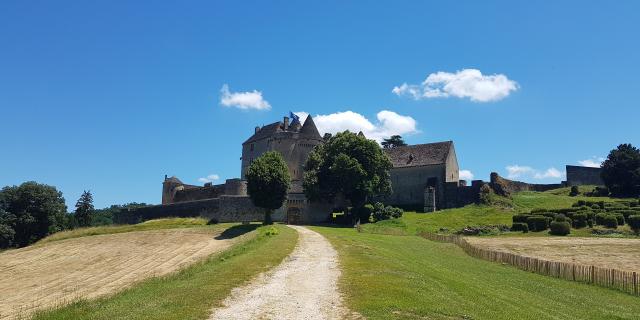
[
  {"x": 243, "y": 100},
  {"x": 388, "y": 123},
  {"x": 517, "y": 172},
  {"x": 466, "y": 83},
  {"x": 466, "y": 175},
  {"x": 593, "y": 162},
  {"x": 209, "y": 178}
]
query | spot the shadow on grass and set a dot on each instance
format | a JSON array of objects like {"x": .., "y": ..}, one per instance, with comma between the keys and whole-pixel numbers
[{"x": 236, "y": 231}]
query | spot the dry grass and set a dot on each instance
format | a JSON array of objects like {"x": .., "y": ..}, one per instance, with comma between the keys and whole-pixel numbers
[
  {"x": 58, "y": 272},
  {"x": 621, "y": 254}
]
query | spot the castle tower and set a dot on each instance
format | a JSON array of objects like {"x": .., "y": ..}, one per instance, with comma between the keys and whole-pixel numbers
[{"x": 169, "y": 188}]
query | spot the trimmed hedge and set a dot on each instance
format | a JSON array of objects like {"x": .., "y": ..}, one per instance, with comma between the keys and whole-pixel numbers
[
  {"x": 610, "y": 221},
  {"x": 560, "y": 228},
  {"x": 519, "y": 226},
  {"x": 579, "y": 220},
  {"x": 634, "y": 223},
  {"x": 520, "y": 218},
  {"x": 538, "y": 223}
]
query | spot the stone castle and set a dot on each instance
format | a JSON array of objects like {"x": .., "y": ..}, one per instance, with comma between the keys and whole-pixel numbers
[{"x": 424, "y": 177}]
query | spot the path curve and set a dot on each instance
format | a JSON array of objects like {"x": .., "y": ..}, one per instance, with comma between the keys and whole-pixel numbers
[{"x": 304, "y": 286}]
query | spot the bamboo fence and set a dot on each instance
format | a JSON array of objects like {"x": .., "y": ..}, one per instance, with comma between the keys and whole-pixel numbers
[{"x": 626, "y": 281}]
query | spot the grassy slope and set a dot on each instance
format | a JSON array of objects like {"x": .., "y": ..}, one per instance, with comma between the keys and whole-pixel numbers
[
  {"x": 169, "y": 223},
  {"x": 407, "y": 277},
  {"x": 456, "y": 219},
  {"x": 191, "y": 293}
]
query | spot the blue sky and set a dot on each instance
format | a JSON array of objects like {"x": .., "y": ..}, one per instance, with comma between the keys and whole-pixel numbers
[{"x": 112, "y": 95}]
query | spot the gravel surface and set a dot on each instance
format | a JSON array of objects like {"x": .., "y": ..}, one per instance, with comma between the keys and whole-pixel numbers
[{"x": 304, "y": 286}]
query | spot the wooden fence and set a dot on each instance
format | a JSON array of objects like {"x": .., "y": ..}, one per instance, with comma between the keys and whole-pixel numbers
[{"x": 626, "y": 281}]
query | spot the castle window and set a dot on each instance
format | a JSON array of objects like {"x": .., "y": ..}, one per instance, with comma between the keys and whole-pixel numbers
[{"x": 251, "y": 147}]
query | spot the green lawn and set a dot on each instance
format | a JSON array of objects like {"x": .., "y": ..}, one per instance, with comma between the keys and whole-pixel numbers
[
  {"x": 408, "y": 277},
  {"x": 191, "y": 293}
]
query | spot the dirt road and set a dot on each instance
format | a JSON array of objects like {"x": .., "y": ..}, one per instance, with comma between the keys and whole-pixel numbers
[
  {"x": 304, "y": 286},
  {"x": 53, "y": 274}
]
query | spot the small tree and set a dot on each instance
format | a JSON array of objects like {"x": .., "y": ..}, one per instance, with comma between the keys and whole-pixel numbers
[
  {"x": 84, "y": 209},
  {"x": 392, "y": 142},
  {"x": 621, "y": 171},
  {"x": 347, "y": 165},
  {"x": 268, "y": 181}
]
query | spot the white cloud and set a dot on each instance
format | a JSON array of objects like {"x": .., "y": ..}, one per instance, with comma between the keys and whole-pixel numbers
[
  {"x": 516, "y": 171},
  {"x": 389, "y": 123},
  {"x": 550, "y": 173},
  {"x": 466, "y": 175},
  {"x": 243, "y": 100},
  {"x": 466, "y": 83},
  {"x": 209, "y": 178},
  {"x": 593, "y": 162}
]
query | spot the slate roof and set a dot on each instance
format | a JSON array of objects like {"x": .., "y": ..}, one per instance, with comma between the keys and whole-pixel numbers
[
  {"x": 309, "y": 128},
  {"x": 419, "y": 154},
  {"x": 265, "y": 132}
]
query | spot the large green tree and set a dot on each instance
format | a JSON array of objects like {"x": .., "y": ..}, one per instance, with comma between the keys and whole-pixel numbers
[
  {"x": 268, "y": 181},
  {"x": 621, "y": 171},
  {"x": 392, "y": 142},
  {"x": 84, "y": 209},
  {"x": 347, "y": 165},
  {"x": 32, "y": 211}
]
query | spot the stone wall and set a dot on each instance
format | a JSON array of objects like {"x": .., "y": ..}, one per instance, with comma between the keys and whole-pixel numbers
[
  {"x": 409, "y": 183},
  {"x": 505, "y": 187},
  {"x": 178, "y": 209},
  {"x": 577, "y": 176},
  {"x": 458, "y": 195},
  {"x": 236, "y": 209},
  {"x": 199, "y": 193}
]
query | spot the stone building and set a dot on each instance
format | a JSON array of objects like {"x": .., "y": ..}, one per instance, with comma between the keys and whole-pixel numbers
[
  {"x": 421, "y": 173},
  {"x": 423, "y": 177},
  {"x": 294, "y": 141}
]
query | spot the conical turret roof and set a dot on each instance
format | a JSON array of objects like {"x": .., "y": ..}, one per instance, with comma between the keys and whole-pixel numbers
[{"x": 309, "y": 128}]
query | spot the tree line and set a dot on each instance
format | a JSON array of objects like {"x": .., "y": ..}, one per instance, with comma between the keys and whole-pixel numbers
[{"x": 32, "y": 211}]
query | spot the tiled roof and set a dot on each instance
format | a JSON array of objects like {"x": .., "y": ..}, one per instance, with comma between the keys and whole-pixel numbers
[
  {"x": 309, "y": 128},
  {"x": 419, "y": 154}
]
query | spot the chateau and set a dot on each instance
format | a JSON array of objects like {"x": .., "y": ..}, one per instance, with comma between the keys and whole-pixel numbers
[{"x": 424, "y": 177}]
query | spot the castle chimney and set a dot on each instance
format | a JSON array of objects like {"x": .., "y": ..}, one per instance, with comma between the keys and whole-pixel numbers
[
  {"x": 286, "y": 123},
  {"x": 257, "y": 129}
]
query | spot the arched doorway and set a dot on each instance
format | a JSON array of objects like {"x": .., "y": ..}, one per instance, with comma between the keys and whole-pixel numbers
[{"x": 294, "y": 216}]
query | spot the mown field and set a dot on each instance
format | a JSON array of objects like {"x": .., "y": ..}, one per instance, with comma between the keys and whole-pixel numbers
[
  {"x": 186, "y": 294},
  {"x": 408, "y": 277}
]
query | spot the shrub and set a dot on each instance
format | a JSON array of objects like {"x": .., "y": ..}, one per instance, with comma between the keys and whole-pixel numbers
[
  {"x": 520, "y": 218},
  {"x": 634, "y": 223},
  {"x": 579, "y": 220},
  {"x": 561, "y": 218},
  {"x": 380, "y": 212},
  {"x": 574, "y": 191},
  {"x": 212, "y": 221},
  {"x": 627, "y": 213},
  {"x": 519, "y": 226},
  {"x": 595, "y": 207},
  {"x": 560, "y": 228},
  {"x": 538, "y": 223},
  {"x": 363, "y": 213},
  {"x": 538, "y": 210},
  {"x": 599, "y": 218},
  {"x": 271, "y": 231},
  {"x": 619, "y": 218},
  {"x": 609, "y": 221}
]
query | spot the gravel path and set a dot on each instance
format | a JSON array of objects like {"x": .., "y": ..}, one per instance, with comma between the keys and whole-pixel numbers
[{"x": 304, "y": 286}]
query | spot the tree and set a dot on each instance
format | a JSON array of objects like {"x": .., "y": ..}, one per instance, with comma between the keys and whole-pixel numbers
[
  {"x": 621, "y": 171},
  {"x": 32, "y": 211},
  {"x": 84, "y": 209},
  {"x": 268, "y": 181},
  {"x": 348, "y": 165},
  {"x": 393, "y": 141}
]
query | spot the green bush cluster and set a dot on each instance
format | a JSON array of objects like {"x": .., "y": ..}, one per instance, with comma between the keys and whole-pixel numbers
[
  {"x": 520, "y": 226},
  {"x": 380, "y": 212},
  {"x": 634, "y": 223}
]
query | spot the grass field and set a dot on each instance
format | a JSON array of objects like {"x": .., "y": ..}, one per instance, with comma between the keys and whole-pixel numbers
[
  {"x": 53, "y": 273},
  {"x": 169, "y": 223},
  {"x": 408, "y": 277},
  {"x": 192, "y": 292}
]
